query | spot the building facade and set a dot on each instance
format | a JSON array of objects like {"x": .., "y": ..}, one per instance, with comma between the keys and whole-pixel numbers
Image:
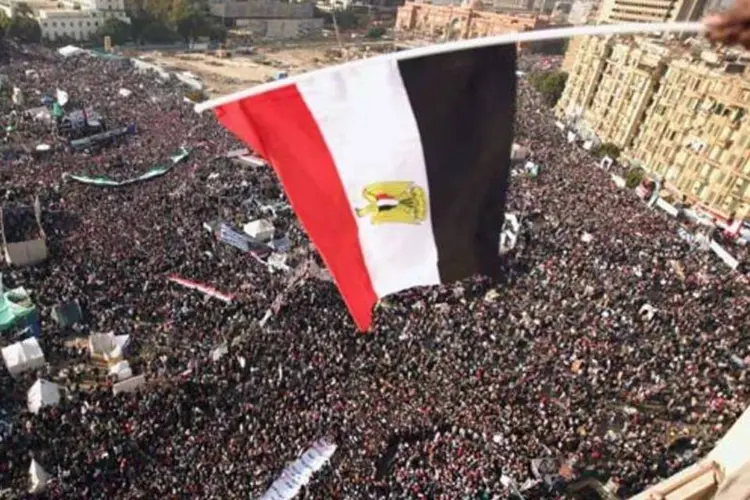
[
  {"x": 454, "y": 23},
  {"x": 582, "y": 12},
  {"x": 682, "y": 117},
  {"x": 650, "y": 11},
  {"x": 512, "y": 5},
  {"x": 696, "y": 135},
  {"x": 260, "y": 9},
  {"x": 75, "y": 24}
]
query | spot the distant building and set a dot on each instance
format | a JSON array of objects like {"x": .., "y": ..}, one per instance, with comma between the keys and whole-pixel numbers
[
  {"x": 79, "y": 19},
  {"x": 650, "y": 11},
  {"x": 511, "y": 5},
  {"x": 268, "y": 18},
  {"x": 697, "y": 134},
  {"x": 610, "y": 86},
  {"x": 683, "y": 117},
  {"x": 79, "y": 25},
  {"x": 453, "y": 23},
  {"x": 582, "y": 12}
]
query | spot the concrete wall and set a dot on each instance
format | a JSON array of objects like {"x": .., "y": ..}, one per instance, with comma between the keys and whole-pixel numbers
[
  {"x": 281, "y": 28},
  {"x": 261, "y": 9}
]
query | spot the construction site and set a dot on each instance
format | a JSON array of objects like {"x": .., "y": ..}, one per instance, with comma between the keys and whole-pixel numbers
[{"x": 224, "y": 71}]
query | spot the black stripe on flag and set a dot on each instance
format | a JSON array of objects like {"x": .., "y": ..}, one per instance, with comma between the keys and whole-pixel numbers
[{"x": 464, "y": 104}]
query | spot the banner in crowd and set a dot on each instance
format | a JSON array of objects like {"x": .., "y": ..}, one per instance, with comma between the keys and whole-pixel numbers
[
  {"x": 201, "y": 287},
  {"x": 231, "y": 237},
  {"x": 667, "y": 207},
  {"x": 724, "y": 255},
  {"x": 298, "y": 473},
  {"x": 154, "y": 172}
]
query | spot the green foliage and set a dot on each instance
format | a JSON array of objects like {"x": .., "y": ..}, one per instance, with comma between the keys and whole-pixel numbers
[
  {"x": 157, "y": 32},
  {"x": 375, "y": 32},
  {"x": 550, "y": 84},
  {"x": 119, "y": 31},
  {"x": 346, "y": 19},
  {"x": 4, "y": 22},
  {"x": 25, "y": 29},
  {"x": 23, "y": 10},
  {"x": 608, "y": 149},
  {"x": 217, "y": 32},
  {"x": 634, "y": 177}
]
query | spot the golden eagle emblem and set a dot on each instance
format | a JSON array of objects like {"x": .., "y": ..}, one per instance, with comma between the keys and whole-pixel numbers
[{"x": 400, "y": 202}]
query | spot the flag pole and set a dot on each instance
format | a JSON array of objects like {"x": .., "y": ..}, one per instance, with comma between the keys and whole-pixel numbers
[{"x": 473, "y": 43}]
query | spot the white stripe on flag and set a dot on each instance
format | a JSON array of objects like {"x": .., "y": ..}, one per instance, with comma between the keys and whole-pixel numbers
[{"x": 365, "y": 117}]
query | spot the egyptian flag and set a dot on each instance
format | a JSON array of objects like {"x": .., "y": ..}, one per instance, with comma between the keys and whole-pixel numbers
[{"x": 396, "y": 168}]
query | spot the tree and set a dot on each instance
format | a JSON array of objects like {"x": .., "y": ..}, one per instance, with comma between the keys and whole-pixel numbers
[
  {"x": 375, "y": 32},
  {"x": 550, "y": 84},
  {"x": 634, "y": 177},
  {"x": 190, "y": 20},
  {"x": 22, "y": 9},
  {"x": 608, "y": 149},
  {"x": 4, "y": 21},
  {"x": 116, "y": 29},
  {"x": 156, "y": 31},
  {"x": 25, "y": 29}
]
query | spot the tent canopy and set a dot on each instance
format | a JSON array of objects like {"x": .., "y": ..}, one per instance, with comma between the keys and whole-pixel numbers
[
  {"x": 23, "y": 356},
  {"x": 42, "y": 393},
  {"x": 15, "y": 305}
]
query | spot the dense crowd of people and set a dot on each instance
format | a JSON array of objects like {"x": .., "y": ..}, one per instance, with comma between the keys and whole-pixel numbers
[{"x": 456, "y": 388}]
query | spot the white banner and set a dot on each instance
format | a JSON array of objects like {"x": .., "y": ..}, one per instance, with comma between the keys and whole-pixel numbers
[
  {"x": 724, "y": 255},
  {"x": 667, "y": 207},
  {"x": 298, "y": 473}
]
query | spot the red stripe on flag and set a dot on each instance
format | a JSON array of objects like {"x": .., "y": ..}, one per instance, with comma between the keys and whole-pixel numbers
[{"x": 279, "y": 126}]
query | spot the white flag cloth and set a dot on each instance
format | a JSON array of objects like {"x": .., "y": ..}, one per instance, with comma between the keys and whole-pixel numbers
[
  {"x": 298, "y": 473},
  {"x": 62, "y": 97}
]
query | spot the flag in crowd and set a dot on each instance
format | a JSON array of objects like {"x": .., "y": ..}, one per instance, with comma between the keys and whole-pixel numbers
[
  {"x": 201, "y": 287},
  {"x": 231, "y": 237},
  {"x": 397, "y": 169}
]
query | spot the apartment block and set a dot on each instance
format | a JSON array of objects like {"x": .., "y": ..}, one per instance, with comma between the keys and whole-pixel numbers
[
  {"x": 610, "y": 86},
  {"x": 679, "y": 112},
  {"x": 650, "y": 11},
  {"x": 696, "y": 135}
]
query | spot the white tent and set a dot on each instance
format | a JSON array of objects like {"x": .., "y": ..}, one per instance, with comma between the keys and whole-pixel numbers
[
  {"x": 38, "y": 476},
  {"x": 69, "y": 50},
  {"x": 107, "y": 346},
  {"x": 129, "y": 385},
  {"x": 260, "y": 229},
  {"x": 122, "y": 370},
  {"x": 42, "y": 393},
  {"x": 23, "y": 356}
]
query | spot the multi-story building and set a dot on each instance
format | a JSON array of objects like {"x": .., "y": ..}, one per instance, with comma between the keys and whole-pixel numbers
[
  {"x": 650, "y": 11},
  {"x": 697, "y": 134},
  {"x": 609, "y": 86},
  {"x": 582, "y": 12},
  {"x": 512, "y": 5},
  {"x": 468, "y": 21},
  {"x": 268, "y": 18},
  {"x": 76, "y": 24},
  {"x": 682, "y": 117}
]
